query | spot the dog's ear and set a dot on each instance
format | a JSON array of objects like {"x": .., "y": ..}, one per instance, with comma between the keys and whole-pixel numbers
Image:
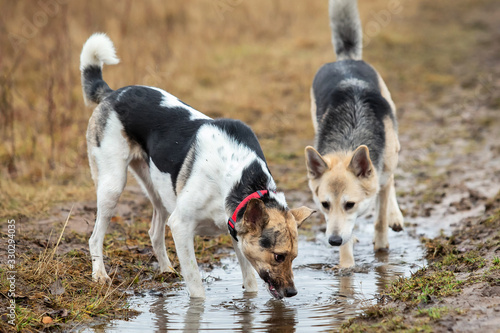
[
  {"x": 361, "y": 164},
  {"x": 301, "y": 214},
  {"x": 255, "y": 217},
  {"x": 316, "y": 165}
]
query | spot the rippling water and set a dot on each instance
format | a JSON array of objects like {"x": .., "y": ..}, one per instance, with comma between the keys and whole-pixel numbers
[{"x": 326, "y": 298}]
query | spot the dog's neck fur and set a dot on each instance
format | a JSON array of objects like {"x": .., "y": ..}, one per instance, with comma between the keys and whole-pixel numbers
[{"x": 253, "y": 179}]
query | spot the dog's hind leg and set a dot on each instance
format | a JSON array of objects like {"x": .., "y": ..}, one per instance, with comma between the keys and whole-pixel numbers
[
  {"x": 380, "y": 241},
  {"x": 109, "y": 153},
  {"x": 157, "y": 231},
  {"x": 183, "y": 234},
  {"x": 392, "y": 148},
  {"x": 249, "y": 280},
  {"x": 394, "y": 215},
  {"x": 110, "y": 184},
  {"x": 157, "y": 235}
]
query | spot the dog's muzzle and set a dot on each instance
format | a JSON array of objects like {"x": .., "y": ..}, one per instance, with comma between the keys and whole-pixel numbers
[{"x": 277, "y": 290}]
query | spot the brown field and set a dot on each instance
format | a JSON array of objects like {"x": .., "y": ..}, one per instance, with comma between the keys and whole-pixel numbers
[{"x": 252, "y": 60}]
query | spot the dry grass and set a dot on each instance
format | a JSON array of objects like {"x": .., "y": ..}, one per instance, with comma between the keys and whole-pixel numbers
[
  {"x": 54, "y": 281},
  {"x": 250, "y": 60},
  {"x": 52, "y": 290}
]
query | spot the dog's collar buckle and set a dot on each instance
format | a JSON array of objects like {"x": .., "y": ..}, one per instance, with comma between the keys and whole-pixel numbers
[{"x": 231, "y": 223}]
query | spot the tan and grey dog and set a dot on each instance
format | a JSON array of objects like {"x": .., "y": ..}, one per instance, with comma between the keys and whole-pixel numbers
[{"x": 356, "y": 144}]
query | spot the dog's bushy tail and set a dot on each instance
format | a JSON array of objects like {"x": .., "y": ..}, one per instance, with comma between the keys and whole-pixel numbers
[
  {"x": 347, "y": 34},
  {"x": 96, "y": 51}
]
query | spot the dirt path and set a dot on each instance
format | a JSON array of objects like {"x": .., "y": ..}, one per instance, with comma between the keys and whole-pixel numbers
[{"x": 449, "y": 175}]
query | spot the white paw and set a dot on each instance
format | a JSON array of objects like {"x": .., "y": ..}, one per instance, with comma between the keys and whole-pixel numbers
[
  {"x": 346, "y": 254},
  {"x": 197, "y": 293},
  {"x": 396, "y": 220},
  {"x": 251, "y": 286},
  {"x": 167, "y": 269},
  {"x": 346, "y": 262},
  {"x": 101, "y": 277},
  {"x": 380, "y": 244}
]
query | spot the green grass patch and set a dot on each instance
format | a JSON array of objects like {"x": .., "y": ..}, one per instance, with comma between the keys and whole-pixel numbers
[
  {"x": 433, "y": 313},
  {"x": 424, "y": 284},
  {"x": 392, "y": 323}
]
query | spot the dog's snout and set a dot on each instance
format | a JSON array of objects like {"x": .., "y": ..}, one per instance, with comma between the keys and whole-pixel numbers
[
  {"x": 335, "y": 240},
  {"x": 290, "y": 292}
]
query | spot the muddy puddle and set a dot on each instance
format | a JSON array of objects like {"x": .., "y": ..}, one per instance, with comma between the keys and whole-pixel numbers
[{"x": 326, "y": 297}]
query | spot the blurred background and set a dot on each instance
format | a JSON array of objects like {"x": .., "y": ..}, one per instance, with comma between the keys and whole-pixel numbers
[{"x": 252, "y": 60}]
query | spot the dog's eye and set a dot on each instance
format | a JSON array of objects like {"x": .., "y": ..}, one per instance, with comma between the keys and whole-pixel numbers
[
  {"x": 349, "y": 204},
  {"x": 279, "y": 257},
  {"x": 326, "y": 205}
]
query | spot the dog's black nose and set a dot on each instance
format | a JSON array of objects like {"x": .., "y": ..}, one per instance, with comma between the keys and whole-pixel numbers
[
  {"x": 290, "y": 292},
  {"x": 335, "y": 240}
]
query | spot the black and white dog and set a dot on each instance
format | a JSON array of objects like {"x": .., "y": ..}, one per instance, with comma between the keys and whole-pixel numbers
[{"x": 208, "y": 174}]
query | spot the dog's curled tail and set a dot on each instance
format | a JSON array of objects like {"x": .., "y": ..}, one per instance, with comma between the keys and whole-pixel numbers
[
  {"x": 347, "y": 34},
  {"x": 96, "y": 51}
]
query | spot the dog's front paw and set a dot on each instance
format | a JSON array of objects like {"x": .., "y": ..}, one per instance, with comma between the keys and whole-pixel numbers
[
  {"x": 101, "y": 277},
  {"x": 251, "y": 286},
  {"x": 346, "y": 259},
  {"x": 397, "y": 227},
  {"x": 346, "y": 263},
  {"x": 380, "y": 241},
  {"x": 396, "y": 220},
  {"x": 197, "y": 293},
  {"x": 396, "y": 223},
  {"x": 380, "y": 244},
  {"x": 346, "y": 254},
  {"x": 168, "y": 269}
]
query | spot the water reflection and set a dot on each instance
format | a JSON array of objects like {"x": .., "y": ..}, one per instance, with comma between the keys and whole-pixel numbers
[
  {"x": 326, "y": 297},
  {"x": 246, "y": 316},
  {"x": 385, "y": 272},
  {"x": 274, "y": 315},
  {"x": 280, "y": 318},
  {"x": 193, "y": 315},
  {"x": 158, "y": 308},
  {"x": 346, "y": 286}
]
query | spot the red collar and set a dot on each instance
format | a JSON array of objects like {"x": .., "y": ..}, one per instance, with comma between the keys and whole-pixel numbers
[{"x": 232, "y": 220}]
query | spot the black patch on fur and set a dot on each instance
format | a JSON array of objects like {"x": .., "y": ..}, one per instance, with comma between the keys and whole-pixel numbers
[
  {"x": 241, "y": 133},
  {"x": 94, "y": 87},
  {"x": 253, "y": 179},
  {"x": 268, "y": 239},
  {"x": 166, "y": 134},
  {"x": 266, "y": 276},
  {"x": 350, "y": 116}
]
